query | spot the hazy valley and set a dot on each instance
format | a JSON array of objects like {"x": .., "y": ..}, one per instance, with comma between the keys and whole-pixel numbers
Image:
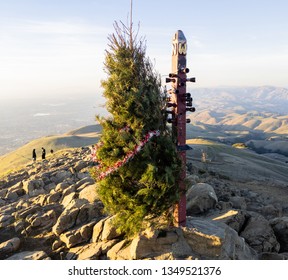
[{"x": 23, "y": 120}]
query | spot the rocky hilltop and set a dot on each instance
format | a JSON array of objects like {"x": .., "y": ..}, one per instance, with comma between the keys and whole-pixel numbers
[{"x": 50, "y": 210}]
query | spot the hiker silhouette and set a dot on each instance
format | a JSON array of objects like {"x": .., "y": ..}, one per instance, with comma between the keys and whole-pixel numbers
[
  {"x": 34, "y": 156},
  {"x": 43, "y": 153}
]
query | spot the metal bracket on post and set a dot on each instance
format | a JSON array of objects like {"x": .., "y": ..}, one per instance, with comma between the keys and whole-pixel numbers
[{"x": 182, "y": 102}]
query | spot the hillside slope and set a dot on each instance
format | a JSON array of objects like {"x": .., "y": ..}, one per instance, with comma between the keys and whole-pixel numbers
[
  {"x": 81, "y": 137},
  {"x": 242, "y": 165}
]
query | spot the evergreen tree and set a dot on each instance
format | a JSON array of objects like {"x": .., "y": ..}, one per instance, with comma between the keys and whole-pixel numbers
[{"x": 145, "y": 187}]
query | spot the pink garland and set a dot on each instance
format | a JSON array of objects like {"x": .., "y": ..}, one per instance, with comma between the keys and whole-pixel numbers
[{"x": 128, "y": 157}]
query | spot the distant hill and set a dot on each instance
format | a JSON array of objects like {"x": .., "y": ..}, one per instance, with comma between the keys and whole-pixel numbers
[
  {"x": 81, "y": 137},
  {"x": 231, "y": 115},
  {"x": 86, "y": 130},
  {"x": 262, "y": 122},
  {"x": 242, "y": 99}
]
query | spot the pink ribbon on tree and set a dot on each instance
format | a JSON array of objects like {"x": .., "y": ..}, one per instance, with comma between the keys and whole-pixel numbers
[{"x": 128, "y": 156}]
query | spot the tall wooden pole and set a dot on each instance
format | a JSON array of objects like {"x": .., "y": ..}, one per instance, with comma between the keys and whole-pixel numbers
[{"x": 180, "y": 101}]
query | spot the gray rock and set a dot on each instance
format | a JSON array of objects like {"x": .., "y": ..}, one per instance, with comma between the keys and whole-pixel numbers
[
  {"x": 65, "y": 221},
  {"x": 68, "y": 199},
  {"x": 69, "y": 190},
  {"x": 60, "y": 176},
  {"x": 93, "y": 251},
  {"x": 272, "y": 256},
  {"x": 235, "y": 219},
  {"x": 97, "y": 230},
  {"x": 270, "y": 211},
  {"x": 53, "y": 197},
  {"x": 215, "y": 240},
  {"x": 90, "y": 251},
  {"x": 88, "y": 212},
  {"x": 48, "y": 188},
  {"x": 200, "y": 198},
  {"x": 259, "y": 234},
  {"x": 3, "y": 193},
  {"x": 9, "y": 246},
  {"x": 8, "y": 209},
  {"x": 44, "y": 221},
  {"x": 89, "y": 192},
  {"x": 280, "y": 228},
  {"x": 113, "y": 253},
  {"x": 80, "y": 165},
  {"x": 34, "y": 187},
  {"x": 83, "y": 175},
  {"x": 77, "y": 236},
  {"x": 19, "y": 226},
  {"x": 30, "y": 210},
  {"x": 57, "y": 244},
  {"x": 109, "y": 231},
  {"x": 62, "y": 186},
  {"x": 6, "y": 220},
  {"x": 238, "y": 202},
  {"x": 83, "y": 181},
  {"x": 30, "y": 255},
  {"x": 156, "y": 244},
  {"x": 2, "y": 202}
]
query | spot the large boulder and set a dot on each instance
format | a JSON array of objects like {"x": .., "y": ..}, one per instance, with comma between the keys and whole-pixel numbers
[
  {"x": 65, "y": 221},
  {"x": 28, "y": 211},
  {"x": 235, "y": 219},
  {"x": 164, "y": 244},
  {"x": 2, "y": 202},
  {"x": 104, "y": 230},
  {"x": 43, "y": 220},
  {"x": 200, "y": 239},
  {"x": 259, "y": 234},
  {"x": 9, "y": 246},
  {"x": 280, "y": 227},
  {"x": 61, "y": 176},
  {"x": 89, "y": 212},
  {"x": 271, "y": 211},
  {"x": 238, "y": 202},
  {"x": 14, "y": 192},
  {"x": 34, "y": 187},
  {"x": 97, "y": 230},
  {"x": 77, "y": 212},
  {"x": 80, "y": 165},
  {"x": 109, "y": 231},
  {"x": 200, "y": 198},
  {"x": 114, "y": 252},
  {"x": 30, "y": 255},
  {"x": 77, "y": 236},
  {"x": 91, "y": 251},
  {"x": 89, "y": 192},
  {"x": 216, "y": 240},
  {"x": 6, "y": 220}
]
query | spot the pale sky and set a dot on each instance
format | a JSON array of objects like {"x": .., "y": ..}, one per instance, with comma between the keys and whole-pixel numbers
[{"x": 56, "y": 47}]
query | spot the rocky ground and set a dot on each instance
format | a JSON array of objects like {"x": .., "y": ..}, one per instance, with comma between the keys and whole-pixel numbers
[{"x": 50, "y": 210}]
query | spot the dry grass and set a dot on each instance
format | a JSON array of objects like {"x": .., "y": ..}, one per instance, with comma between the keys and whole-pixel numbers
[{"x": 23, "y": 155}]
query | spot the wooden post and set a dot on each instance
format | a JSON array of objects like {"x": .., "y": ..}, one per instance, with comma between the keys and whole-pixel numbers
[{"x": 180, "y": 101}]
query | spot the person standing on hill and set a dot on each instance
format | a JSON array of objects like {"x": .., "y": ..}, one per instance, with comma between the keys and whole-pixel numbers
[
  {"x": 34, "y": 155},
  {"x": 43, "y": 153}
]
